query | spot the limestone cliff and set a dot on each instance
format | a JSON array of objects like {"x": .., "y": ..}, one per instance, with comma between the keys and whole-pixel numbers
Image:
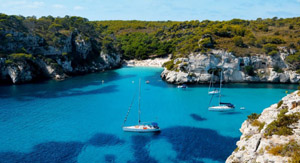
[
  {"x": 272, "y": 136},
  {"x": 75, "y": 54},
  {"x": 196, "y": 68}
]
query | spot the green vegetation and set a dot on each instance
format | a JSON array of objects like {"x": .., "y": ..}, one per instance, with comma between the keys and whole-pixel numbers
[
  {"x": 20, "y": 56},
  {"x": 249, "y": 70},
  {"x": 291, "y": 149},
  {"x": 142, "y": 46},
  {"x": 280, "y": 126},
  {"x": 8, "y": 61},
  {"x": 148, "y": 39},
  {"x": 253, "y": 117},
  {"x": 238, "y": 41},
  {"x": 294, "y": 60},
  {"x": 277, "y": 69},
  {"x": 236, "y": 149},
  {"x": 270, "y": 49},
  {"x": 169, "y": 65},
  {"x": 279, "y": 104},
  {"x": 259, "y": 124}
]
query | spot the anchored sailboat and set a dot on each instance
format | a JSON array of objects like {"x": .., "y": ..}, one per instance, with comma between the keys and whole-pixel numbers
[
  {"x": 211, "y": 85},
  {"x": 223, "y": 106},
  {"x": 141, "y": 126}
]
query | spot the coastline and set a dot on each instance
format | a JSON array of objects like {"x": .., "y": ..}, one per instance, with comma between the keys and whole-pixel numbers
[
  {"x": 156, "y": 62},
  {"x": 261, "y": 136}
]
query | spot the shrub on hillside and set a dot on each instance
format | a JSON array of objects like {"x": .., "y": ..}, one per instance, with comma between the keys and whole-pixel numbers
[
  {"x": 169, "y": 65},
  {"x": 249, "y": 70},
  {"x": 270, "y": 49},
  {"x": 277, "y": 69},
  {"x": 18, "y": 56},
  {"x": 279, "y": 104},
  {"x": 280, "y": 126},
  {"x": 290, "y": 149},
  {"x": 253, "y": 116},
  {"x": 293, "y": 58},
  {"x": 238, "y": 41}
]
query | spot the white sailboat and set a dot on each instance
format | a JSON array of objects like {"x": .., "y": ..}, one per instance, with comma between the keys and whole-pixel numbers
[
  {"x": 222, "y": 105},
  {"x": 141, "y": 126},
  {"x": 211, "y": 85}
]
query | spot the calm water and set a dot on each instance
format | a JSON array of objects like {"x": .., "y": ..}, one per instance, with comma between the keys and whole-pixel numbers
[{"x": 80, "y": 119}]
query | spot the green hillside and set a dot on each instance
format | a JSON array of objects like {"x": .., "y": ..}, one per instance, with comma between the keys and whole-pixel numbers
[{"x": 146, "y": 39}]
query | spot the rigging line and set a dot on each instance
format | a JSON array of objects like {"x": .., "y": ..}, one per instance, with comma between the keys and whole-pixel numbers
[
  {"x": 132, "y": 101},
  {"x": 211, "y": 99}
]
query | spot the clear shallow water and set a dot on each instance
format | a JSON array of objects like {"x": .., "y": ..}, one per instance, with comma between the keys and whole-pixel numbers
[{"x": 80, "y": 119}]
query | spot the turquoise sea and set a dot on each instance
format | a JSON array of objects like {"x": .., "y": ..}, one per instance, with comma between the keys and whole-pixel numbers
[{"x": 80, "y": 119}]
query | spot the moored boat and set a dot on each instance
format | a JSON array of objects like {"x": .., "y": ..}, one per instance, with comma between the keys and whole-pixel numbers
[
  {"x": 222, "y": 105},
  {"x": 141, "y": 126}
]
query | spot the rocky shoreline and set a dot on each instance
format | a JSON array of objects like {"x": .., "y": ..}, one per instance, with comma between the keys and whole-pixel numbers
[
  {"x": 197, "y": 68},
  {"x": 273, "y": 135}
]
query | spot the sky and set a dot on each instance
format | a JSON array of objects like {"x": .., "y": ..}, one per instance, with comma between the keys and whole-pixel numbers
[{"x": 162, "y": 10}]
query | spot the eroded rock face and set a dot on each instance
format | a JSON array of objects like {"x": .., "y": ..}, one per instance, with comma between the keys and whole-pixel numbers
[
  {"x": 254, "y": 145},
  {"x": 195, "y": 68},
  {"x": 74, "y": 55},
  {"x": 19, "y": 72}
]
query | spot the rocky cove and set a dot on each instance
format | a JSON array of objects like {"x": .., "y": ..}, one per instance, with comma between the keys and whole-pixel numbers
[
  {"x": 53, "y": 47},
  {"x": 194, "y": 69}
]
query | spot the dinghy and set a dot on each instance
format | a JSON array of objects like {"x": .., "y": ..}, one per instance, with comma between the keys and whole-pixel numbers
[{"x": 182, "y": 86}]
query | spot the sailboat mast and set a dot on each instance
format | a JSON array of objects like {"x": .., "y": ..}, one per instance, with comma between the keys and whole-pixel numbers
[
  {"x": 220, "y": 86},
  {"x": 211, "y": 81},
  {"x": 139, "y": 101}
]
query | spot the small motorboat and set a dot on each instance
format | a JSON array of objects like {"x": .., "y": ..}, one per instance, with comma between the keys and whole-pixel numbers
[
  {"x": 147, "y": 81},
  {"x": 143, "y": 127},
  {"x": 213, "y": 92},
  {"x": 182, "y": 86}
]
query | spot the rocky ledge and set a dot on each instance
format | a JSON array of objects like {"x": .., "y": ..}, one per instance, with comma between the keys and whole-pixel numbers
[
  {"x": 197, "y": 68},
  {"x": 273, "y": 135}
]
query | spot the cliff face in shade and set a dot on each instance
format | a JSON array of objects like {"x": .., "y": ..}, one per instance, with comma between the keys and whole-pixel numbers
[
  {"x": 272, "y": 137},
  {"x": 196, "y": 68},
  {"x": 75, "y": 55}
]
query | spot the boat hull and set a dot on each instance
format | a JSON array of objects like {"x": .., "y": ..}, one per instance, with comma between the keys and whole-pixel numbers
[
  {"x": 220, "y": 108},
  {"x": 213, "y": 92},
  {"x": 140, "y": 128}
]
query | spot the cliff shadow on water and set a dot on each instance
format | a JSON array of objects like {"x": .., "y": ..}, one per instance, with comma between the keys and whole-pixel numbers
[
  {"x": 70, "y": 87},
  {"x": 60, "y": 151}
]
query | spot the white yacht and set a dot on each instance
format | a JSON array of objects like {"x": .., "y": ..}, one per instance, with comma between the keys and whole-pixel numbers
[
  {"x": 222, "y": 105},
  {"x": 141, "y": 126},
  {"x": 211, "y": 85}
]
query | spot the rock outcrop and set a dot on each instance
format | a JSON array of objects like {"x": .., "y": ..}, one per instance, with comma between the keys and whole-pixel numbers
[
  {"x": 273, "y": 136},
  {"x": 196, "y": 68},
  {"x": 74, "y": 55}
]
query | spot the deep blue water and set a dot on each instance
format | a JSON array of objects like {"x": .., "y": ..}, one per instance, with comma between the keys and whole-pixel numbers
[{"x": 80, "y": 119}]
